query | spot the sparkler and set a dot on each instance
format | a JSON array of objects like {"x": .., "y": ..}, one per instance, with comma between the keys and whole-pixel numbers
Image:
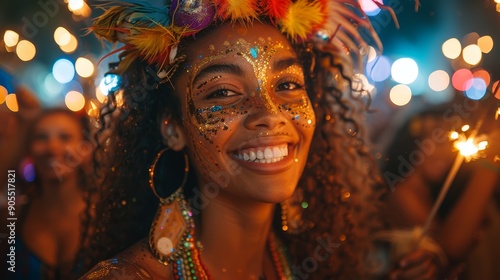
[{"x": 469, "y": 148}]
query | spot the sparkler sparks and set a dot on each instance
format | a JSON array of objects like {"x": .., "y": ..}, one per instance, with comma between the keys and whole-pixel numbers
[{"x": 471, "y": 148}]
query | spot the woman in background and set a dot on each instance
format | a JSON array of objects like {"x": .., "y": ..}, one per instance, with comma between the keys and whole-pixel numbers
[{"x": 50, "y": 223}]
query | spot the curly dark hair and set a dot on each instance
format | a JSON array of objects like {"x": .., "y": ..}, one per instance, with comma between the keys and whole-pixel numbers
[{"x": 339, "y": 183}]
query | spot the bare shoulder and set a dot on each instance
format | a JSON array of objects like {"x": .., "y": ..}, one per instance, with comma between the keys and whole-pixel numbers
[{"x": 137, "y": 262}]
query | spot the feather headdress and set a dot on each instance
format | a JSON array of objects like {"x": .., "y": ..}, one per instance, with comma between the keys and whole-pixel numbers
[{"x": 152, "y": 33}]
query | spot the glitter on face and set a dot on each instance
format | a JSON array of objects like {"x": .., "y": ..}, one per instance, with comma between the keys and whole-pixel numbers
[
  {"x": 254, "y": 52},
  {"x": 208, "y": 118},
  {"x": 216, "y": 108},
  {"x": 221, "y": 90}
]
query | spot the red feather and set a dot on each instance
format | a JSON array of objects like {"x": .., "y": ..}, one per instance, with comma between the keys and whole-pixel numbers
[{"x": 276, "y": 9}]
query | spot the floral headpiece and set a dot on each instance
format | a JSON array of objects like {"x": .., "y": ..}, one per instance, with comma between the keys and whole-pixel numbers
[{"x": 152, "y": 33}]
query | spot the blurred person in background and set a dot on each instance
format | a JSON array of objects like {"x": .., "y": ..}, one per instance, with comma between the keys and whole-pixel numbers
[
  {"x": 416, "y": 165},
  {"x": 50, "y": 203}
]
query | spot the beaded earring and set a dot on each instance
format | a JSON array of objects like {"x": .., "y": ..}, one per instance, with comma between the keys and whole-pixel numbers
[
  {"x": 173, "y": 223},
  {"x": 291, "y": 213}
]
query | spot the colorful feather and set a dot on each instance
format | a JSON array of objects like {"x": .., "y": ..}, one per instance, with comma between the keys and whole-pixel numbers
[
  {"x": 276, "y": 9},
  {"x": 302, "y": 18},
  {"x": 154, "y": 43},
  {"x": 242, "y": 10},
  {"x": 106, "y": 26}
]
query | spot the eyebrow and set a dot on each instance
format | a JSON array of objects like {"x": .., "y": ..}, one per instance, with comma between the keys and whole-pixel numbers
[
  {"x": 217, "y": 69},
  {"x": 282, "y": 64}
]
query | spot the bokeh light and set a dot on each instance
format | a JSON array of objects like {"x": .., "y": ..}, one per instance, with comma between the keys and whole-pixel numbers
[
  {"x": 439, "y": 80},
  {"x": 11, "y": 102},
  {"x": 109, "y": 83},
  {"x": 477, "y": 89},
  {"x": 28, "y": 170},
  {"x": 496, "y": 89},
  {"x": 84, "y": 67},
  {"x": 63, "y": 71},
  {"x": 99, "y": 95},
  {"x": 74, "y": 5},
  {"x": 62, "y": 36},
  {"x": 400, "y": 95},
  {"x": 472, "y": 54},
  {"x": 369, "y": 7},
  {"x": 10, "y": 38},
  {"x": 52, "y": 86},
  {"x": 92, "y": 109},
  {"x": 379, "y": 69},
  {"x": 74, "y": 100},
  {"x": 404, "y": 71},
  {"x": 461, "y": 78},
  {"x": 3, "y": 94},
  {"x": 485, "y": 43},
  {"x": 71, "y": 46},
  {"x": 482, "y": 74},
  {"x": 372, "y": 54},
  {"x": 452, "y": 48},
  {"x": 25, "y": 50}
]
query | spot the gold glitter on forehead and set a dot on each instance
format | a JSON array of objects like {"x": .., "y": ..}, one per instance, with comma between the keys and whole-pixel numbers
[{"x": 259, "y": 56}]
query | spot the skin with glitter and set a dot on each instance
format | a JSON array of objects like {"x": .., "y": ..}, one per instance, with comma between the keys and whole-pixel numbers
[
  {"x": 258, "y": 55},
  {"x": 238, "y": 79}
]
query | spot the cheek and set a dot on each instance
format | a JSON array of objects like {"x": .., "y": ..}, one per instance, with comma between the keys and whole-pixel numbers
[
  {"x": 38, "y": 148},
  {"x": 301, "y": 114}
]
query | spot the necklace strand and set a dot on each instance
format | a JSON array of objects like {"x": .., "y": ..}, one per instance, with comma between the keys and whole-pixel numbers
[{"x": 190, "y": 267}]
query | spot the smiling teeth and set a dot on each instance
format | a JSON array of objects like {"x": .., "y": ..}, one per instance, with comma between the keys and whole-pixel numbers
[{"x": 263, "y": 155}]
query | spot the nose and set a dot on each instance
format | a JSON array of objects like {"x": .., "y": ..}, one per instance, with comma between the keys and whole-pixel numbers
[
  {"x": 264, "y": 114},
  {"x": 55, "y": 147}
]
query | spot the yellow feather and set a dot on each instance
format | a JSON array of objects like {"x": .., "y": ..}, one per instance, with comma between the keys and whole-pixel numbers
[
  {"x": 244, "y": 10},
  {"x": 302, "y": 16},
  {"x": 153, "y": 43}
]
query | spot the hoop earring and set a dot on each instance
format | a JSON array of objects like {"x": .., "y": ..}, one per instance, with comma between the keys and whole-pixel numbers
[{"x": 173, "y": 223}]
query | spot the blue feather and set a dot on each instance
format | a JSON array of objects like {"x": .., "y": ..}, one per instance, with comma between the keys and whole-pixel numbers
[{"x": 143, "y": 12}]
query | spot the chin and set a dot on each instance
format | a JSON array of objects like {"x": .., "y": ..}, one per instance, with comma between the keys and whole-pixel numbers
[{"x": 277, "y": 195}]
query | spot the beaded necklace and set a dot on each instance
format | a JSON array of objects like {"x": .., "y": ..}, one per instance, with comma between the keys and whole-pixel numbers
[{"x": 190, "y": 267}]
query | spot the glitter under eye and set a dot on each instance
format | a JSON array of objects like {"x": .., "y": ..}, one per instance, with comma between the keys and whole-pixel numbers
[{"x": 216, "y": 108}]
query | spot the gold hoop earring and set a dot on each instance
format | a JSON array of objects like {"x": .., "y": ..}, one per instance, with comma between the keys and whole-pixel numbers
[
  {"x": 173, "y": 225},
  {"x": 152, "y": 173}
]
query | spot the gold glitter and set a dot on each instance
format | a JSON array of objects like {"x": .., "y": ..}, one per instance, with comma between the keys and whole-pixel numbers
[{"x": 211, "y": 116}]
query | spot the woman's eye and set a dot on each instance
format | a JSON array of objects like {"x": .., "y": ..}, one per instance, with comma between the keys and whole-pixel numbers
[
  {"x": 65, "y": 137},
  {"x": 222, "y": 93},
  {"x": 289, "y": 86},
  {"x": 41, "y": 137}
]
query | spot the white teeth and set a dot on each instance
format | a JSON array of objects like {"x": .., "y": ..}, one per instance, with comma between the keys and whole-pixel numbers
[
  {"x": 268, "y": 154},
  {"x": 276, "y": 152},
  {"x": 263, "y": 155},
  {"x": 260, "y": 154}
]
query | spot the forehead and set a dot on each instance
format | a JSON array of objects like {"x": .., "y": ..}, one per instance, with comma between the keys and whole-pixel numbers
[
  {"x": 234, "y": 34},
  {"x": 58, "y": 121}
]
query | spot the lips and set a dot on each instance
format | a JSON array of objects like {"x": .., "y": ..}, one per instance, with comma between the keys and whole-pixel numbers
[{"x": 267, "y": 154}]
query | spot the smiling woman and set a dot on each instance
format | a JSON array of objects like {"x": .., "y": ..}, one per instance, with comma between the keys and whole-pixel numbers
[{"x": 254, "y": 111}]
